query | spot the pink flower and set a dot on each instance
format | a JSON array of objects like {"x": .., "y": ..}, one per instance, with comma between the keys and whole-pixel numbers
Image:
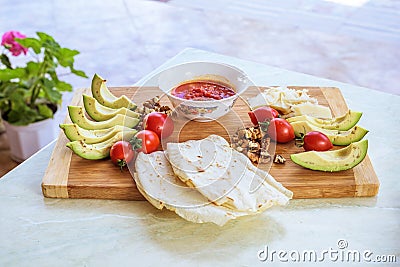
[{"x": 8, "y": 40}]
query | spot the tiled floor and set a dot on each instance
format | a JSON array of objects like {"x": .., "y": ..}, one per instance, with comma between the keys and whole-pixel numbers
[{"x": 353, "y": 41}]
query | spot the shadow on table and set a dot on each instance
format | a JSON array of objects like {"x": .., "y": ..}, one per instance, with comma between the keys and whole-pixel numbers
[
  {"x": 333, "y": 202},
  {"x": 197, "y": 240}
]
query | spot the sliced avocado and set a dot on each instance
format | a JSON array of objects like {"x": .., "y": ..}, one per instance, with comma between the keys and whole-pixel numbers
[
  {"x": 106, "y": 98},
  {"x": 334, "y": 160},
  {"x": 339, "y": 138},
  {"x": 76, "y": 133},
  {"x": 98, "y": 112},
  {"x": 77, "y": 115},
  {"x": 94, "y": 151},
  {"x": 342, "y": 123}
]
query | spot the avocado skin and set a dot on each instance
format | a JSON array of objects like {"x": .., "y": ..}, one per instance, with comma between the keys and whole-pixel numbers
[
  {"x": 94, "y": 151},
  {"x": 74, "y": 133},
  {"x": 77, "y": 115},
  {"x": 316, "y": 160},
  {"x": 103, "y": 95},
  {"x": 90, "y": 104},
  {"x": 339, "y": 138},
  {"x": 342, "y": 123}
]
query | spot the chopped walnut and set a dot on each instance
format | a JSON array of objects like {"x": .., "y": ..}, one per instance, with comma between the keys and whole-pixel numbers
[
  {"x": 253, "y": 156},
  {"x": 265, "y": 157},
  {"x": 152, "y": 105},
  {"x": 254, "y": 146},
  {"x": 250, "y": 141},
  {"x": 279, "y": 159}
]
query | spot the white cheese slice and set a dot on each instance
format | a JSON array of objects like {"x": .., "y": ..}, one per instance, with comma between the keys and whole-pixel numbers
[
  {"x": 281, "y": 99},
  {"x": 313, "y": 110}
]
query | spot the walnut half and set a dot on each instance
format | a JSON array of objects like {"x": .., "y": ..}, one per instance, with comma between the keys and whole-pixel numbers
[{"x": 279, "y": 159}]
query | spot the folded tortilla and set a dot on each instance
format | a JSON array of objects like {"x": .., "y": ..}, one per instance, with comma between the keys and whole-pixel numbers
[
  {"x": 157, "y": 182},
  {"x": 224, "y": 176}
]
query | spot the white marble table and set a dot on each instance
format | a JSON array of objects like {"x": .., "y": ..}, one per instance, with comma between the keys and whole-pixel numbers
[{"x": 35, "y": 231}]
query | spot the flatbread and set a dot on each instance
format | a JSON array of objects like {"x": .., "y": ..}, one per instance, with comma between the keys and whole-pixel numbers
[
  {"x": 225, "y": 176},
  {"x": 157, "y": 182}
]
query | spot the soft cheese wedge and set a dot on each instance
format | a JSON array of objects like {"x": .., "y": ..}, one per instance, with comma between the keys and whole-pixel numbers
[
  {"x": 77, "y": 115},
  {"x": 157, "y": 182},
  {"x": 75, "y": 133},
  {"x": 342, "y": 123},
  {"x": 99, "y": 112},
  {"x": 311, "y": 109},
  {"x": 102, "y": 94},
  {"x": 281, "y": 98},
  {"x": 225, "y": 176},
  {"x": 94, "y": 151},
  {"x": 335, "y": 160},
  {"x": 339, "y": 138}
]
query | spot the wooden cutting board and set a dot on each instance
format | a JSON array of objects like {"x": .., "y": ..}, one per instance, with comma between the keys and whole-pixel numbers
[{"x": 69, "y": 176}]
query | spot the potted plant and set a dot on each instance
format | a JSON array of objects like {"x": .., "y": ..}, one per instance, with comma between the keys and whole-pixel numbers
[{"x": 30, "y": 95}]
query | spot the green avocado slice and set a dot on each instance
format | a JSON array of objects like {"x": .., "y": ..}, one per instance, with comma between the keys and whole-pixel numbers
[
  {"x": 94, "y": 151},
  {"x": 98, "y": 112},
  {"x": 75, "y": 133},
  {"x": 342, "y": 123},
  {"x": 335, "y": 160},
  {"x": 339, "y": 138},
  {"x": 77, "y": 115},
  {"x": 102, "y": 94}
]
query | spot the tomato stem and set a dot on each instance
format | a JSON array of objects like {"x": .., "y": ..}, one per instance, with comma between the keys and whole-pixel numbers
[
  {"x": 136, "y": 143},
  {"x": 299, "y": 141},
  {"x": 264, "y": 125}
]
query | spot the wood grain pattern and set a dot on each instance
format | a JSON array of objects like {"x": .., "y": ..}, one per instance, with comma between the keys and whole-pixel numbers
[
  {"x": 55, "y": 180},
  {"x": 69, "y": 176}
]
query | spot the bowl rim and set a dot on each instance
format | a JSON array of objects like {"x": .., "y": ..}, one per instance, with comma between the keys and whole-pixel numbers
[{"x": 231, "y": 98}]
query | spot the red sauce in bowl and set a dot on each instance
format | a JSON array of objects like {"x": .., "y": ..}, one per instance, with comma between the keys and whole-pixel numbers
[{"x": 203, "y": 90}]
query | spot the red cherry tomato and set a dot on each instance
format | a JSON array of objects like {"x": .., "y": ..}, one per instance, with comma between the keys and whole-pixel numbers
[
  {"x": 262, "y": 114},
  {"x": 150, "y": 141},
  {"x": 280, "y": 130},
  {"x": 316, "y": 141},
  {"x": 159, "y": 123},
  {"x": 121, "y": 153}
]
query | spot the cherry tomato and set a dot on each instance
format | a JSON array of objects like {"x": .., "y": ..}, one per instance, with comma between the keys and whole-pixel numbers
[
  {"x": 316, "y": 141},
  {"x": 150, "y": 141},
  {"x": 121, "y": 153},
  {"x": 262, "y": 114},
  {"x": 280, "y": 130},
  {"x": 159, "y": 123}
]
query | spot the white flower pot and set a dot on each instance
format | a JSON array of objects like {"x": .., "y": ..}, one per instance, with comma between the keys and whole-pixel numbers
[{"x": 26, "y": 140}]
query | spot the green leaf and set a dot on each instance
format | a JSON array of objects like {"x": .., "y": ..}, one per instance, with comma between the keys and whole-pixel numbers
[
  {"x": 9, "y": 74},
  {"x": 50, "y": 92},
  {"x": 45, "y": 37},
  {"x": 45, "y": 111},
  {"x": 66, "y": 62},
  {"x": 78, "y": 72},
  {"x": 17, "y": 111},
  {"x": 23, "y": 116},
  {"x": 6, "y": 61},
  {"x": 66, "y": 57},
  {"x": 53, "y": 75},
  {"x": 33, "y": 43},
  {"x": 63, "y": 86},
  {"x": 52, "y": 49},
  {"x": 33, "y": 68},
  {"x": 66, "y": 52}
]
